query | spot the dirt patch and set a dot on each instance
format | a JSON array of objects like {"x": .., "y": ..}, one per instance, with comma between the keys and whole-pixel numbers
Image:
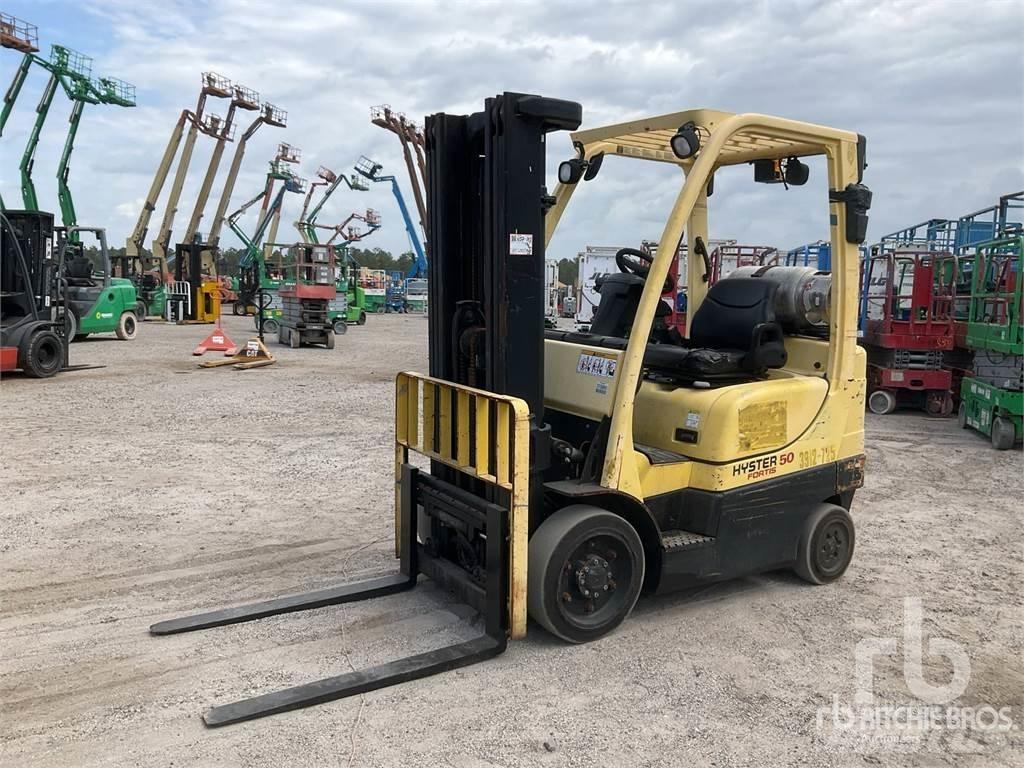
[{"x": 132, "y": 494}]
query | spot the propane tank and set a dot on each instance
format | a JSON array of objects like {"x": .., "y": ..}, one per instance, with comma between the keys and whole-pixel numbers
[{"x": 803, "y": 299}]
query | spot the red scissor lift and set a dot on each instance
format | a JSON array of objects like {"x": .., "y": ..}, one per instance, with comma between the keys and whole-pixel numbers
[{"x": 908, "y": 326}]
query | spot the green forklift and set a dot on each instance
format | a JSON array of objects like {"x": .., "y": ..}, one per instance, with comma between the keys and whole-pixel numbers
[
  {"x": 97, "y": 302},
  {"x": 992, "y": 396}
]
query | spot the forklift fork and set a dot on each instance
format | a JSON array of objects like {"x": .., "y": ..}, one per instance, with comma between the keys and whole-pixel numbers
[{"x": 413, "y": 559}]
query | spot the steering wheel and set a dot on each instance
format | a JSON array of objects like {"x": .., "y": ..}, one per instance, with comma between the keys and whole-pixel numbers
[{"x": 632, "y": 261}]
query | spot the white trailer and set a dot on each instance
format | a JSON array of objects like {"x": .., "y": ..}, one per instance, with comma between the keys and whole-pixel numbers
[{"x": 550, "y": 288}]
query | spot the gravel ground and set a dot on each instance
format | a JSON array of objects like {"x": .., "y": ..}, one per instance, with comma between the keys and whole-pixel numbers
[{"x": 148, "y": 488}]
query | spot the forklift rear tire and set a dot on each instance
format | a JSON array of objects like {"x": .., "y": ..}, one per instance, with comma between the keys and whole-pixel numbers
[
  {"x": 269, "y": 326},
  {"x": 42, "y": 355},
  {"x": 1003, "y": 434},
  {"x": 238, "y": 308},
  {"x": 586, "y": 568},
  {"x": 882, "y": 402},
  {"x": 826, "y": 546},
  {"x": 140, "y": 311},
  {"x": 127, "y": 326},
  {"x": 961, "y": 415},
  {"x": 362, "y": 318}
]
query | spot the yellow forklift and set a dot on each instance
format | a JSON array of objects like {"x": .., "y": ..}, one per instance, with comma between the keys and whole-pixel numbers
[{"x": 569, "y": 472}]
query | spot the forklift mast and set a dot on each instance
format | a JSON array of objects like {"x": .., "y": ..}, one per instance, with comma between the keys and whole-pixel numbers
[{"x": 486, "y": 200}]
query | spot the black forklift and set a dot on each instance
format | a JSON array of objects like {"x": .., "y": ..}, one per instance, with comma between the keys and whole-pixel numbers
[{"x": 32, "y": 339}]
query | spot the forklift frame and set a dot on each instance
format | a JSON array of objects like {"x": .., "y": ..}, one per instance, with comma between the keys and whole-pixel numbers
[{"x": 479, "y": 414}]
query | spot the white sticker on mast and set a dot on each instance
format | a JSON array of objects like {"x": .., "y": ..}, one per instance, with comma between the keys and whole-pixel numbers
[{"x": 520, "y": 245}]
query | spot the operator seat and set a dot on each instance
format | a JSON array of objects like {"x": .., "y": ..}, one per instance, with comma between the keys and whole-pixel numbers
[
  {"x": 733, "y": 336},
  {"x": 620, "y": 297},
  {"x": 79, "y": 271}
]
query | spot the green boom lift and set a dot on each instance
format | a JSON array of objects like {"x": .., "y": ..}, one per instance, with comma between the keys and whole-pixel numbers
[
  {"x": 69, "y": 70},
  {"x": 253, "y": 276},
  {"x": 105, "y": 90}
]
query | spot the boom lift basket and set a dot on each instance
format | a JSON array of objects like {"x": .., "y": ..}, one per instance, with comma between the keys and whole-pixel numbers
[
  {"x": 71, "y": 61},
  {"x": 114, "y": 91},
  {"x": 18, "y": 34}
]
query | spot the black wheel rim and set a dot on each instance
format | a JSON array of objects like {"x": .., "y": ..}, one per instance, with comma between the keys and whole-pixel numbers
[
  {"x": 833, "y": 550},
  {"x": 594, "y": 583},
  {"x": 49, "y": 355}
]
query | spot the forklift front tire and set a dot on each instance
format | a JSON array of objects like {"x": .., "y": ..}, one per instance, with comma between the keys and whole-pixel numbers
[
  {"x": 961, "y": 415},
  {"x": 362, "y": 318},
  {"x": 140, "y": 310},
  {"x": 127, "y": 326},
  {"x": 826, "y": 546},
  {"x": 42, "y": 355},
  {"x": 586, "y": 568}
]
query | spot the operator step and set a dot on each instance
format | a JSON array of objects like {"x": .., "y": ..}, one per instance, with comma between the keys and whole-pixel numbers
[{"x": 679, "y": 540}]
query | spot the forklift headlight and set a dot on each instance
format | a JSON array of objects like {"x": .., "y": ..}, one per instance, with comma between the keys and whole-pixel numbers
[
  {"x": 686, "y": 142},
  {"x": 571, "y": 171}
]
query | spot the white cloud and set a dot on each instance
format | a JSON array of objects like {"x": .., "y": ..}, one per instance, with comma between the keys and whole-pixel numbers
[{"x": 935, "y": 88}]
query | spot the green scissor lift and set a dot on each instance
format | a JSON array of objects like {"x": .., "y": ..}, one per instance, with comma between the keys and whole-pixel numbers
[{"x": 992, "y": 400}]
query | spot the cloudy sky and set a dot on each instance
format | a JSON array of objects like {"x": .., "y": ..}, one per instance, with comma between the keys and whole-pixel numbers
[{"x": 935, "y": 85}]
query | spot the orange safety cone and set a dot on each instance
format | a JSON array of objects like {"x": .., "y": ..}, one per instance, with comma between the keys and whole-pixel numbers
[{"x": 217, "y": 341}]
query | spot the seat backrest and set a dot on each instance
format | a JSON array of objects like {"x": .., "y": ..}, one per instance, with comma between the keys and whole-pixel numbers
[
  {"x": 620, "y": 296},
  {"x": 731, "y": 310},
  {"x": 80, "y": 268}
]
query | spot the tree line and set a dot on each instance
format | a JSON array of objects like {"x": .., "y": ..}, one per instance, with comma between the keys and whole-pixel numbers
[{"x": 227, "y": 264}]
